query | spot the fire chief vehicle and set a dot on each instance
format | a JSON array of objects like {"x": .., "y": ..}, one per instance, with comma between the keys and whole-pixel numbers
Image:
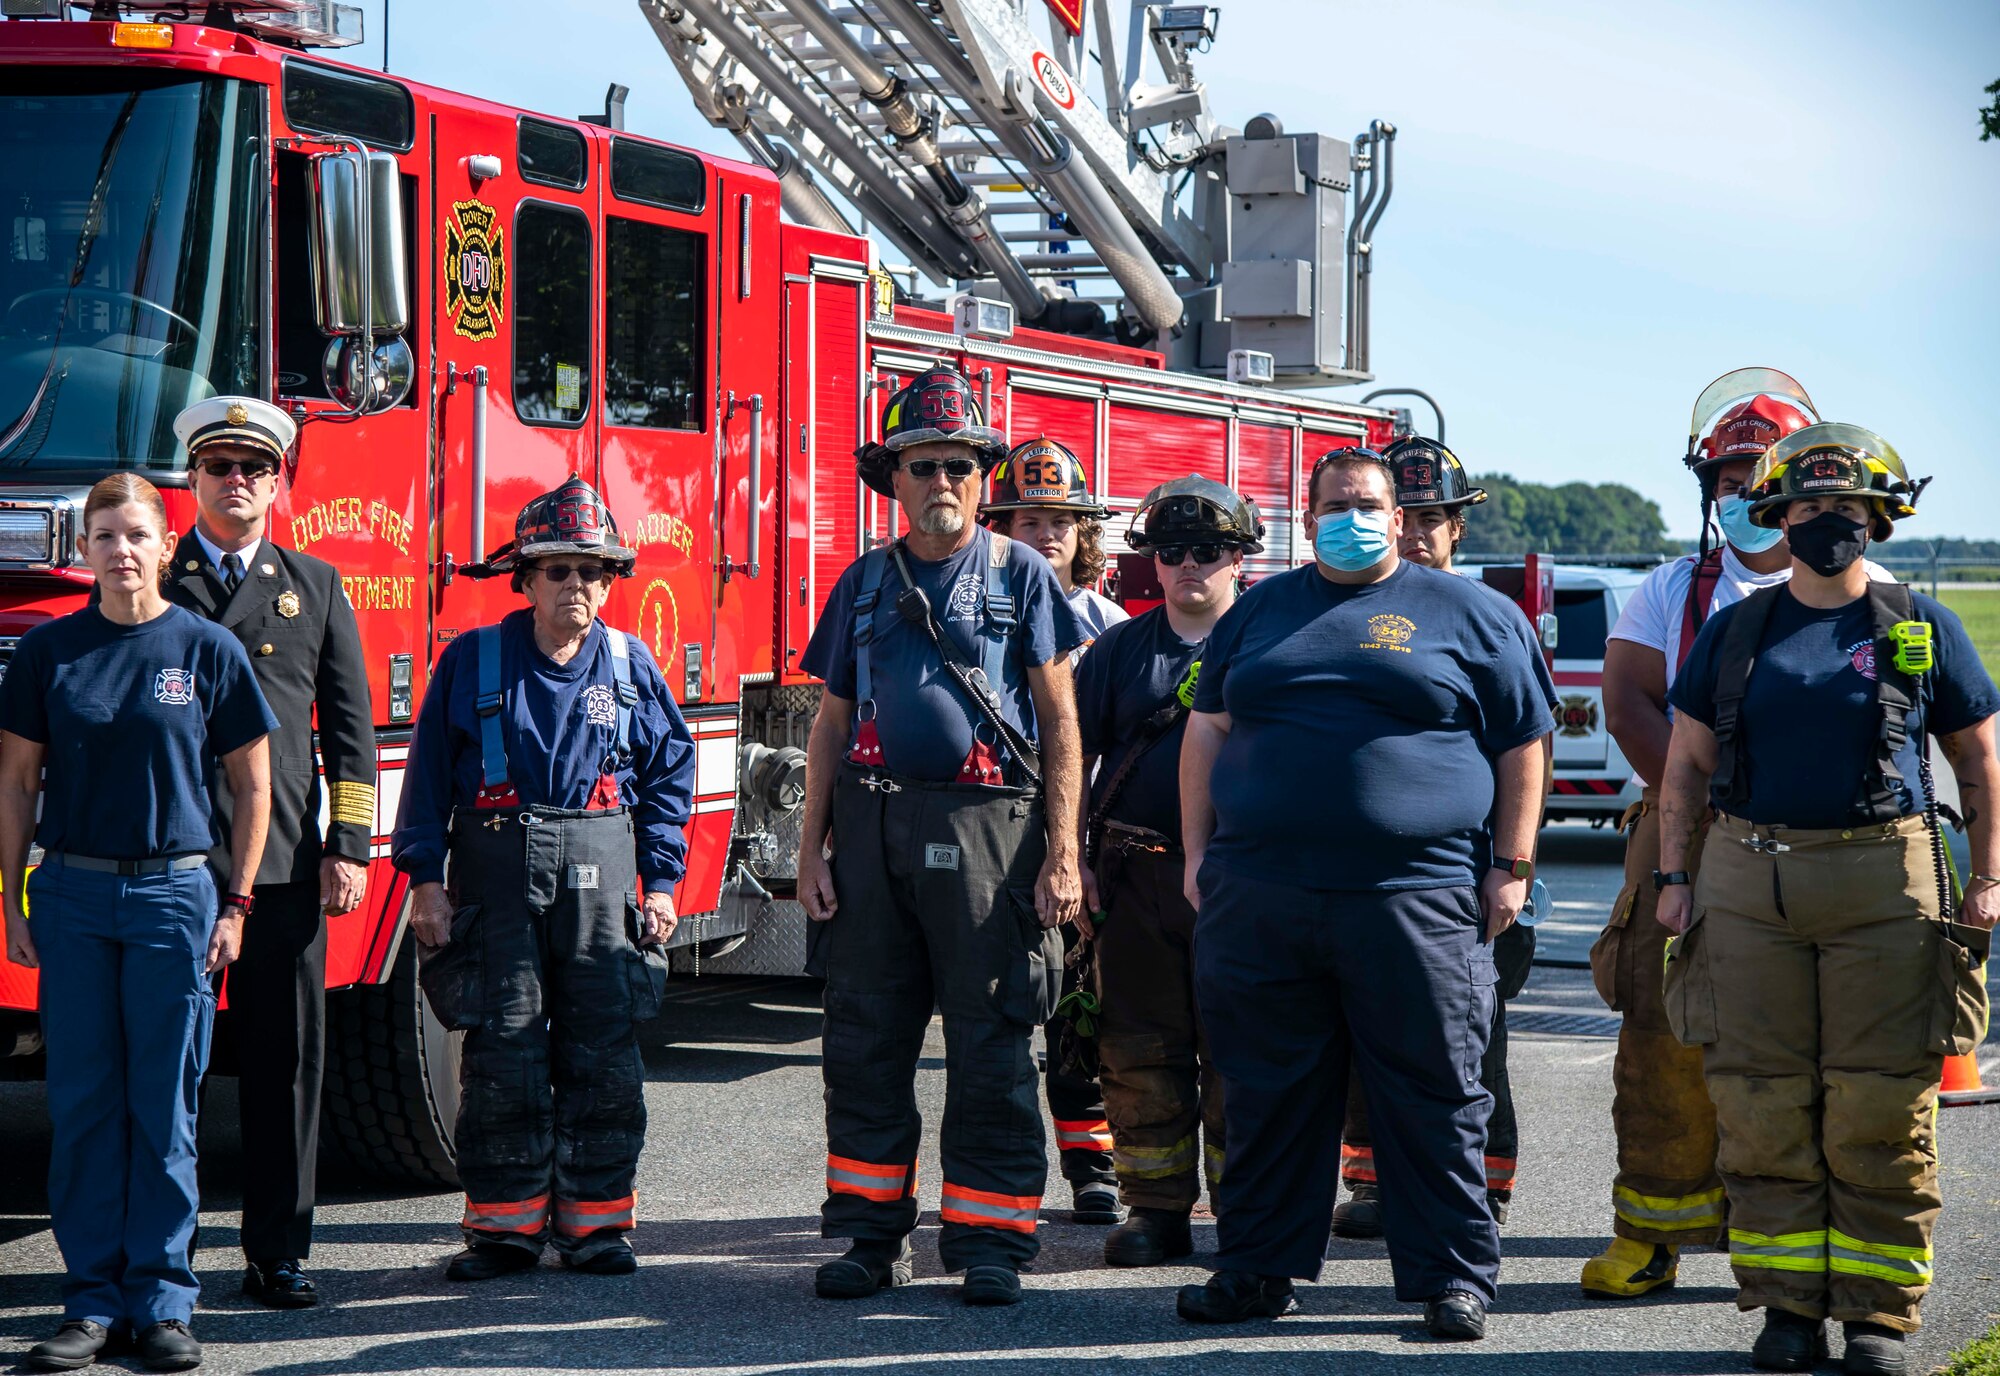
[{"x": 464, "y": 302}]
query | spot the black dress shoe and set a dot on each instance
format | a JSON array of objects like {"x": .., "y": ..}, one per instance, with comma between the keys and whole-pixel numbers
[
  {"x": 76, "y": 1344},
  {"x": 871, "y": 1264},
  {"x": 487, "y": 1260},
  {"x": 614, "y": 1259},
  {"x": 1233, "y": 1296},
  {"x": 1873, "y": 1350},
  {"x": 1789, "y": 1342},
  {"x": 991, "y": 1284},
  {"x": 279, "y": 1284},
  {"x": 1360, "y": 1214},
  {"x": 1456, "y": 1316},
  {"x": 168, "y": 1346},
  {"x": 1151, "y": 1237}
]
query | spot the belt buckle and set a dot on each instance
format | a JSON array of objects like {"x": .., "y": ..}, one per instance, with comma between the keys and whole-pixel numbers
[
  {"x": 1765, "y": 847},
  {"x": 876, "y": 784}
]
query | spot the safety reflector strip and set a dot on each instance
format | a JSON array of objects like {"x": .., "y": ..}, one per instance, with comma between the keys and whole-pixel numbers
[
  {"x": 884, "y": 1184},
  {"x": 520, "y": 1216},
  {"x": 1357, "y": 1164},
  {"x": 1084, "y": 1134},
  {"x": 1153, "y": 1163},
  {"x": 1499, "y": 1172},
  {"x": 1213, "y": 1155},
  {"x": 580, "y": 1217},
  {"x": 1884, "y": 1261},
  {"x": 983, "y": 1209},
  {"x": 1669, "y": 1213},
  {"x": 1785, "y": 1252}
]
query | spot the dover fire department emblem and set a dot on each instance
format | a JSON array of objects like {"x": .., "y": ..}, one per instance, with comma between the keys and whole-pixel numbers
[
  {"x": 475, "y": 269},
  {"x": 1578, "y": 715},
  {"x": 174, "y": 686}
]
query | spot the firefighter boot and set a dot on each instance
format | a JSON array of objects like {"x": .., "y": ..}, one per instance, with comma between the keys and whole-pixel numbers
[
  {"x": 1233, "y": 1296},
  {"x": 486, "y": 1261},
  {"x": 1789, "y": 1342},
  {"x": 1627, "y": 1268},
  {"x": 1360, "y": 1214},
  {"x": 1873, "y": 1350},
  {"x": 991, "y": 1284},
  {"x": 869, "y": 1265},
  {"x": 1151, "y": 1237}
]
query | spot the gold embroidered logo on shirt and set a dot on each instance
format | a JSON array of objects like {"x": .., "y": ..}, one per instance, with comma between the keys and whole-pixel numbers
[{"x": 1390, "y": 632}]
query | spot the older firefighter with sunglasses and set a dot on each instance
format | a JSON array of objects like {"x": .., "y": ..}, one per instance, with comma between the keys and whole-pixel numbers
[
  {"x": 550, "y": 775},
  {"x": 1823, "y": 962},
  {"x": 938, "y": 854},
  {"x": 1161, "y": 1091}
]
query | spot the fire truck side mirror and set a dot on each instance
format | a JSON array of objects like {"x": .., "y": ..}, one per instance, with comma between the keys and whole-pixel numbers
[{"x": 356, "y": 245}]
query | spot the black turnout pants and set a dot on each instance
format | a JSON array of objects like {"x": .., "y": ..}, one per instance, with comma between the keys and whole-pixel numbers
[
  {"x": 935, "y": 891},
  {"x": 1076, "y": 1102}
]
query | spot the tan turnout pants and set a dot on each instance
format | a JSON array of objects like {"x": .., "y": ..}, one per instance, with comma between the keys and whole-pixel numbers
[{"x": 1810, "y": 978}]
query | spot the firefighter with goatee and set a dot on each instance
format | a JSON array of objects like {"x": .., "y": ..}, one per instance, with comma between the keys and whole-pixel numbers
[
  {"x": 938, "y": 855},
  {"x": 1162, "y": 1093},
  {"x": 551, "y": 774}
]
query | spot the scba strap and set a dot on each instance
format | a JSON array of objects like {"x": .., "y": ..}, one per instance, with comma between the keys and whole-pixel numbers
[{"x": 494, "y": 787}]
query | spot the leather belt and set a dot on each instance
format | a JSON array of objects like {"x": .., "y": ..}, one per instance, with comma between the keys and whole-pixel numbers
[{"x": 127, "y": 868}]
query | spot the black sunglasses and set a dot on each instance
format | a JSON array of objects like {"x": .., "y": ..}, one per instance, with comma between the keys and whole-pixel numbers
[
  {"x": 923, "y": 470},
  {"x": 252, "y": 469},
  {"x": 589, "y": 573},
  {"x": 1174, "y": 555}
]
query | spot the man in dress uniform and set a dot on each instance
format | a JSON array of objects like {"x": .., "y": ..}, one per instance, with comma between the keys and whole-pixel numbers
[{"x": 298, "y": 628}]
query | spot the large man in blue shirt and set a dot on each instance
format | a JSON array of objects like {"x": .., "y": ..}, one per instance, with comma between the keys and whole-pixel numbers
[
  {"x": 1344, "y": 910},
  {"x": 553, "y": 773},
  {"x": 954, "y": 855}
]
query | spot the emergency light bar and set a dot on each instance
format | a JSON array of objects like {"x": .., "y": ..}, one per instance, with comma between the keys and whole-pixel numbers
[{"x": 309, "y": 23}]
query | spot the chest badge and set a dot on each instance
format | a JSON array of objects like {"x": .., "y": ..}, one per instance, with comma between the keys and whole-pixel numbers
[{"x": 288, "y": 603}]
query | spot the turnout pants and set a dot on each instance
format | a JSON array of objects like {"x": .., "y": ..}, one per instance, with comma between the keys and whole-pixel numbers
[
  {"x": 935, "y": 909},
  {"x": 1513, "y": 956},
  {"x": 1076, "y": 1102},
  {"x": 1666, "y": 1189},
  {"x": 545, "y": 975},
  {"x": 1295, "y": 982},
  {"x": 1815, "y": 982},
  {"x": 277, "y": 1005},
  {"x": 126, "y": 1013},
  {"x": 1161, "y": 1088}
]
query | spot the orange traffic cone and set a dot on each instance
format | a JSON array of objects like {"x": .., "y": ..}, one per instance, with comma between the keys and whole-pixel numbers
[{"x": 1962, "y": 1085}]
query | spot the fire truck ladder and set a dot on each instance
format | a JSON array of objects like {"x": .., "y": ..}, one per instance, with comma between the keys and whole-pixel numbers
[{"x": 964, "y": 140}]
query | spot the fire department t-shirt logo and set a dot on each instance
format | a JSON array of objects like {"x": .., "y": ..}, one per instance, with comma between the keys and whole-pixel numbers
[
  {"x": 475, "y": 269},
  {"x": 1862, "y": 657},
  {"x": 174, "y": 686},
  {"x": 1389, "y": 632},
  {"x": 963, "y": 604},
  {"x": 600, "y": 708}
]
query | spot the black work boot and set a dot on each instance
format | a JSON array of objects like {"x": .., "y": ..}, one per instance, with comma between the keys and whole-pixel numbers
[
  {"x": 1151, "y": 1237},
  {"x": 76, "y": 1344},
  {"x": 489, "y": 1261},
  {"x": 1789, "y": 1342},
  {"x": 1456, "y": 1316},
  {"x": 991, "y": 1284},
  {"x": 1233, "y": 1296},
  {"x": 1498, "y": 1204},
  {"x": 871, "y": 1264},
  {"x": 1360, "y": 1214},
  {"x": 613, "y": 1258},
  {"x": 1096, "y": 1201},
  {"x": 168, "y": 1346},
  {"x": 1873, "y": 1350},
  {"x": 279, "y": 1284}
]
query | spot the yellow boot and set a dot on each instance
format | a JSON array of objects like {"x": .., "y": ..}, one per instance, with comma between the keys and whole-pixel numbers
[{"x": 1627, "y": 1268}]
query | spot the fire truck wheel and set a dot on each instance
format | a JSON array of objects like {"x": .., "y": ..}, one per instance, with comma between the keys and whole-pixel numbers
[{"x": 392, "y": 1079}]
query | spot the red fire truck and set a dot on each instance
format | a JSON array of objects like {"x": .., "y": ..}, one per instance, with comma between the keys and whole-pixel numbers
[{"x": 464, "y": 302}]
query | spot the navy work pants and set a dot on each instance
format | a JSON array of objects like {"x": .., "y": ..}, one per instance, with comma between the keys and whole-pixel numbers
[
  {"x": 126, "y": 1013},
  {"x": 1291, "y": 983}
]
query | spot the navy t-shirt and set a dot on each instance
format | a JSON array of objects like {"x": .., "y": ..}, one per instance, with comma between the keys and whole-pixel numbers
[
  {"x": 558, "y": 725},
  {"x": 1130, "y": 673},
  {"x": 922, "y": 716},
  {"x": 1365, "y": 720},
  {"x": 1809, "y": 716},
  {"x": 134, "y": 718}
]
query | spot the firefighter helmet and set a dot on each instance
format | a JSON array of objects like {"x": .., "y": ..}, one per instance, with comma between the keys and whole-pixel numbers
[
  {"x": 1041, "y": 475},
  {"x": 1196, "y": 510},
  {"x": 1743, "y": 413},
  {"x": 572, "y": 519},
  {"x": 938, "y": 404},
  {"x": 1428, "y": 474},
  {"x": 1834, "y": 460}
]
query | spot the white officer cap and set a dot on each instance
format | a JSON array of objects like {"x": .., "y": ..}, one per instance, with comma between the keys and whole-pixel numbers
[{"x": 239, "y": 420}]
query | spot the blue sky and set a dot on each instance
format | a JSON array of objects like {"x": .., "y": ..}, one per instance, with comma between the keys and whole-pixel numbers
[{"x": 1598, "y": 208}]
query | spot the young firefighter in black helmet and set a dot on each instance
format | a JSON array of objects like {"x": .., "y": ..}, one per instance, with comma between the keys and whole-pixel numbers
[
  {"x": 1815, "y": 963},
  {"x": 551, "y": 773},
  {"x": 1039, "y": 496},
  {"x": 1161, "y": 1093},
  {"x": 1434, "y": 493},
  {"x": 943, "y": 774}
]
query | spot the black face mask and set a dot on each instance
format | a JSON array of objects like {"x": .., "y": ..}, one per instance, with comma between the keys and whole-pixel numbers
[{"x": 1828, "y": 543}]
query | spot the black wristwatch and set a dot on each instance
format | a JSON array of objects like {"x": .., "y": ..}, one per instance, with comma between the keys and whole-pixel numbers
[
  {"x": 237, "y": 900},
  {"x": 1660, "y": 881},
  {"x": 1514, "y": 865}
]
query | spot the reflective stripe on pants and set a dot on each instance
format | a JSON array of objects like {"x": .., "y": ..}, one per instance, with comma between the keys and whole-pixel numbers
[
  {"x": 1786, "y": 1252},
  {"x": 580, "y": 1218},
  {"x": 1669, "y": 1213},
  {"x": 845, "y": 1175},
  {"x": 1085, "y": 1135},
  {"x": 1884, "y": 1261},
  {"x": 1154, "y": 1163},
  {"x": 517, "y": 1216},
  {"x": 984, "y": 1209}
]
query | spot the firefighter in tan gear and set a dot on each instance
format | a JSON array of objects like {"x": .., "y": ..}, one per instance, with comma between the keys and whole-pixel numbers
[{"x": 1817, "y": 964}]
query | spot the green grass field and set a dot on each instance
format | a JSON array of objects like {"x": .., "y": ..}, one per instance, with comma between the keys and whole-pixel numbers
[{"x": 1979, "y": 609}]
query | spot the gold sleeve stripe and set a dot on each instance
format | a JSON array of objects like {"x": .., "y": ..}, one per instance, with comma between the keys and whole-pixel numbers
[{"x": 354, "y": 803}]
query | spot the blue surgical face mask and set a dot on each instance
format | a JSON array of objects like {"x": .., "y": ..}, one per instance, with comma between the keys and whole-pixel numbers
[
  {"x": 1352, "y": 540},
  {"x": 1736, "y": 528}
]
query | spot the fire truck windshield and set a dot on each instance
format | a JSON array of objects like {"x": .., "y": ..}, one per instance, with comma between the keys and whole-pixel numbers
[{"x": 133, "y": 205}]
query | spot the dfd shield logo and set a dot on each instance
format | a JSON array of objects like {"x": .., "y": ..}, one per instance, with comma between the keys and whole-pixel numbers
[
  {"x": 174, "y": 686},
  {"x": 475, "y": 269},
  {"x": 1579, "y": 714}
]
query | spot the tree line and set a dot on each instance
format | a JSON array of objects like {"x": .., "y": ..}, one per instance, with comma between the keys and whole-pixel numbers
[{"x": 1568, "y": 518}]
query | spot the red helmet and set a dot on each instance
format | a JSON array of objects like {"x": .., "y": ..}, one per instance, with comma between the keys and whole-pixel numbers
[{"x": 1748, "y": 428}]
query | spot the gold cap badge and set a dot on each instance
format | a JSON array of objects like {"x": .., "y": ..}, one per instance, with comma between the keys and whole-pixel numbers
[
  {"x": 237, "y": 414},
  {"x": 288, "y": 603}
]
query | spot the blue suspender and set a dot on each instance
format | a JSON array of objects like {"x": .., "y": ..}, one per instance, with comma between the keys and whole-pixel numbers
[
  {"x": 999, "y": 612},
  {"x": 874, "y": 567},
  {"x": 492, "y": 748},
  {"x": 628, "y": 695}
]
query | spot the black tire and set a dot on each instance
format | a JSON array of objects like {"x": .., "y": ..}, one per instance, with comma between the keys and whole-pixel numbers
[{"x": 391, "y": 1097}]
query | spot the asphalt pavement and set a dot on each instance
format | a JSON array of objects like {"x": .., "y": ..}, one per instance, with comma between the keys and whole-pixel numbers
[{"x": 732, "y": 1180}]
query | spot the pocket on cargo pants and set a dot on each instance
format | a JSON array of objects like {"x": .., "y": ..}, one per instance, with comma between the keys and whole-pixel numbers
[
  {"x": 1035, "y": 977},
  {"x": 450, "y": 974},
  {"x": 1690, "y": 984},
  {"x": 1959, "y": 1014},
  {"x": 647, "y": 965},
  {"x": 1604, "y": 951}
]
